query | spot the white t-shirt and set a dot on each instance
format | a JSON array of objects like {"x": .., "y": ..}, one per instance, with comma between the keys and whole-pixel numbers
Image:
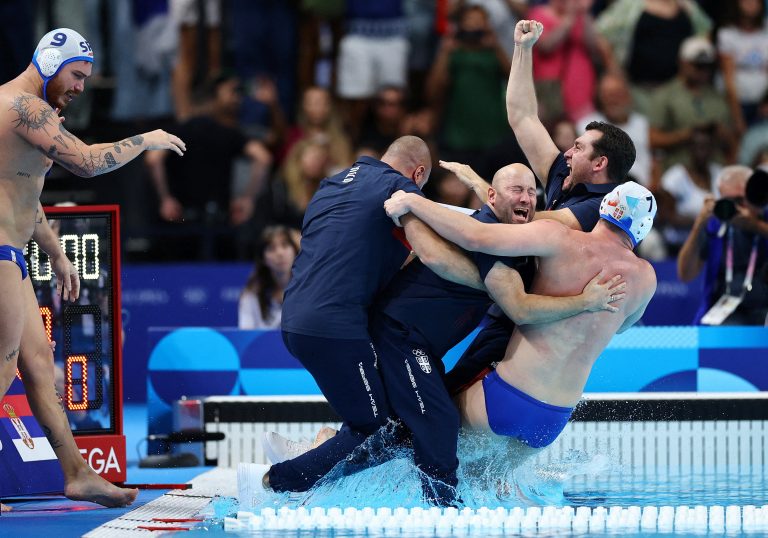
[
  {"x": 249, "y": 313},
  {"x": 638, "y": 130},
  {"x": 749, "y": 51},
  {"x": 688, "y": 196}
]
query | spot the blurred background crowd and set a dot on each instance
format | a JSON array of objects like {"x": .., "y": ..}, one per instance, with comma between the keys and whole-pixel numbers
[{"x": 271, "y": 96}]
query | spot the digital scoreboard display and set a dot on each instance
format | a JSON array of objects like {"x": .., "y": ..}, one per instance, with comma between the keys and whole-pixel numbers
[{"x": 86, "y": 331}]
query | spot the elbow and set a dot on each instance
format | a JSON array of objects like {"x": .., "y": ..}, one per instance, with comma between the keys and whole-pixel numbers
[
  {"x": 428, "y": 258},
  {"x": 514, "y": 115},
  {"x": 518, "y": 311}
]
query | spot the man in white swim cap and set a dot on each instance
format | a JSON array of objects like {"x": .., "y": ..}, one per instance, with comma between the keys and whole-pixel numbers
[
  {"x": 55, "y": 50},
  {"x": 532, "y": 391},
  {"x": 32, "y": 138}
]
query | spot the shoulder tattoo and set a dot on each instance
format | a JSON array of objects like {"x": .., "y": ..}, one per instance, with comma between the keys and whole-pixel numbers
[{"x": 30, "y": 114}]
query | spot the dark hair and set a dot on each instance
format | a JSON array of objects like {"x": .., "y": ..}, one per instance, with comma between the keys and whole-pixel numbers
[
  {"x": 733, "y": 15},
  {"x": 616, "y": 146},
  {"x": 207, "y": 91},
  {"x": 465, "y": 9},
  {"x": 261, "y": 282}
]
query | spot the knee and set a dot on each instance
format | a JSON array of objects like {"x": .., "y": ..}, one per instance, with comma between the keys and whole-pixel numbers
[{"x": 36, "y": 364}]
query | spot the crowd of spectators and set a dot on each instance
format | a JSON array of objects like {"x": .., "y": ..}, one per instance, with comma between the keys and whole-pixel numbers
[{"x": 273, "y": 95}]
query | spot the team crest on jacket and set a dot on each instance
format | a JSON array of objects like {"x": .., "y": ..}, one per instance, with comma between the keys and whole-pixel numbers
[{"x": 423, "y": 360}]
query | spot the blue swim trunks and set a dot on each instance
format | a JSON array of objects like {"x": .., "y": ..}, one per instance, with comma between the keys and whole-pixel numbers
[
  {"x": 513, "y": 413},
  {"x": 15, "y": 255}
]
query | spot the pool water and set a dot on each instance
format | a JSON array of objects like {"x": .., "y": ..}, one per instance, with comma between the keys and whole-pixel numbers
[{"x": 580, "y": 483}]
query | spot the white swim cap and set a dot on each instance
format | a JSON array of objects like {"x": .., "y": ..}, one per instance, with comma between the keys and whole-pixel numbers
[
  {"x": 631, "y": 207},
  {"x": 58, "y": 48}
]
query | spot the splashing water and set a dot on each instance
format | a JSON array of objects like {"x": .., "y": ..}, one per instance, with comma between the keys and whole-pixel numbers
[{"x": 494, "y": 471}]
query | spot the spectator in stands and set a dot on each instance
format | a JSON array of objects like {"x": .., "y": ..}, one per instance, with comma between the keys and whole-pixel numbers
[
  {"x": 563, "y": 61},
  {"x": 710, "y": 242},
  {"x": 385, "y": 121},
  {"x": 754, "y": 145},
  {"x": 263, "y": 42},
  {"x": 320, "y": 31},
  {"x": 317, "y": 117},
  {"x": 372, "y": 54},
  {"x": 308, "y": 163},
  {"x": 686, "y": 186},
  {"x": 743, "y": 47},
  {"x": 643, "y": 37},
  {"x": 503, "y": 16},
  {"x": 563, "y": 134},
  {"x": 446, "y": 188},
  {"x": 466, "y": 84},
  {"x": 614, "y": 106},
  {"x": 199, "y": 56},
  {"x": 261, "y": 302},
  {"x": 195, "y": 193},
  {"x": 689, "y": 101}
]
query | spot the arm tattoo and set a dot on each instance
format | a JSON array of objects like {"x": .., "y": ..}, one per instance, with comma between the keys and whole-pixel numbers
[
  {"x": 23, "y": 174},
  {"x": 60, "y": 139},
  {"x": 137, "y": 140},
  {"x": 92, "y": 164},
  {"x": 32, "y": 120}
]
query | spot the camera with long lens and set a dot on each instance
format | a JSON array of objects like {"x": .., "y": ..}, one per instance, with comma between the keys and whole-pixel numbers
[{"x": 756, "y": 194}]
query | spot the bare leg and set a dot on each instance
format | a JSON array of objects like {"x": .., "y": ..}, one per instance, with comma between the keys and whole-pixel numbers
[
  {"x": 81, "y": 483},
  {"x": 11, "y": 323},
  {"x": 11, "y": 327}
]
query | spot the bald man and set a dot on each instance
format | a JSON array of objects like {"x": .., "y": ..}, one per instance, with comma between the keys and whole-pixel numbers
[{"x": 427, "y": 309}]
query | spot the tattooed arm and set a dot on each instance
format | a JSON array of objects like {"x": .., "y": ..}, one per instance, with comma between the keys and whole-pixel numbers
[
  {"x": 66, "y": 273},
  {"x": 36, "y": 122}
]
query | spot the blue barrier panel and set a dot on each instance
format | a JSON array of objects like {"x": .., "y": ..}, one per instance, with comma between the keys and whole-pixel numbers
[
  {"x": 206, "y": 295},
  {"x": 205, "y": 362}
]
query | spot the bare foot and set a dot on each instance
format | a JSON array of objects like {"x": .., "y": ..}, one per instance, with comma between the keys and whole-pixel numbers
[
  {"x": 5, "y": 508},
  {"x": 88, "y": 486}
]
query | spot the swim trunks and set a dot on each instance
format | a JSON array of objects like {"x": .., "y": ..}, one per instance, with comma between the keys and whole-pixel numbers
[
  {"x": 514, "y": 413},
  {"x": 15, "y": 255}
]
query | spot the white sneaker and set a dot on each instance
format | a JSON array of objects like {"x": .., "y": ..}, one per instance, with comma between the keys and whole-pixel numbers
[
  {"x": 250, "y": 488},
  {"x": 278, "y": 449}
]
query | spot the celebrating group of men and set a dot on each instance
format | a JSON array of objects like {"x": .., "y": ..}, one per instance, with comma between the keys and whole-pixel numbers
[{"x": 373, "y": 334}]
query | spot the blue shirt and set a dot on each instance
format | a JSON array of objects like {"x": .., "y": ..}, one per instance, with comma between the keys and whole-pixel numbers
[
  {"x": 583, "y": 199},
  {"x": 712, "y": 248},
  {"x": 350, "y": 250},
  {"x": 441, "y": 311}
]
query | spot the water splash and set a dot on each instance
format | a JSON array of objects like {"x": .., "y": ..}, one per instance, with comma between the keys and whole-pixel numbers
[{"x": 494, "y": 471}]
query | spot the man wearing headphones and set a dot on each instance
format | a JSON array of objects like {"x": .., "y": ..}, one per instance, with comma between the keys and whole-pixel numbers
[{"x": 32, "y": 138}]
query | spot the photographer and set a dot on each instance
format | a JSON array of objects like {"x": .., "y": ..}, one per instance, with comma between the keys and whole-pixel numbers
[{"x": 730, "y": 237}]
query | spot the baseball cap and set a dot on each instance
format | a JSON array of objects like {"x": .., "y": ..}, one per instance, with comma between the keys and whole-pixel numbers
[
  {"x": 631, "y": 207},
  {"x": 698, "y": 50}
]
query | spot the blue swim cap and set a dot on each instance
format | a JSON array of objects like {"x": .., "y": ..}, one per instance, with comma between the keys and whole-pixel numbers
[
  {"x": 631, "y": 207},
  {"x": 58, "y": 48}
]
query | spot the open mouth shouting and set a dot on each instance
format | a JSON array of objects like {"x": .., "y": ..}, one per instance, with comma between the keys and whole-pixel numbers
[{"x": 520, "y": 214}]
